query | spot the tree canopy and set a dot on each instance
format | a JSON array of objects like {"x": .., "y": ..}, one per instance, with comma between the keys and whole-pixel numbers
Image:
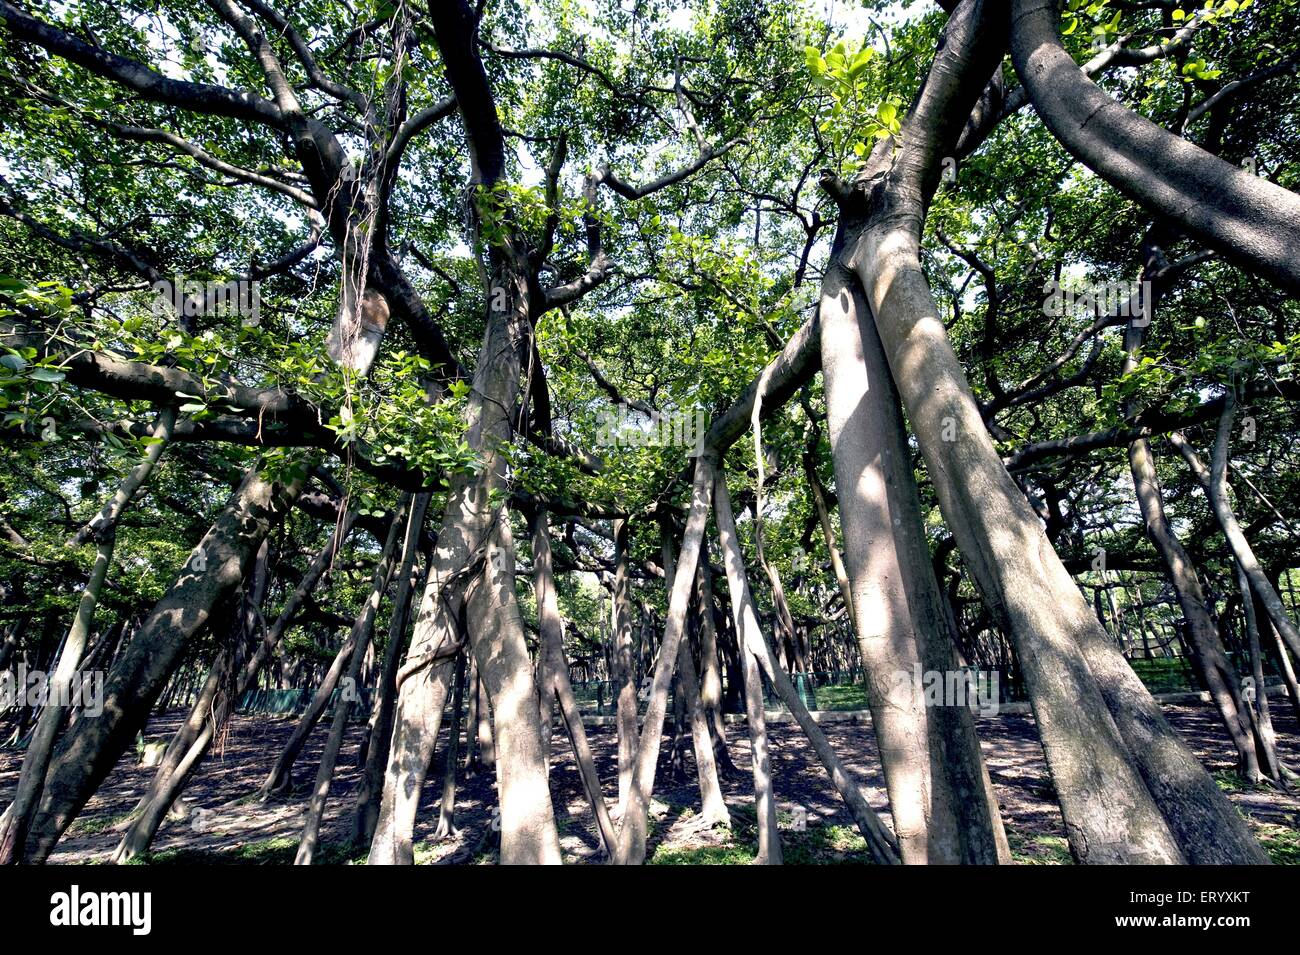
[{"x": 947, "y": 319}]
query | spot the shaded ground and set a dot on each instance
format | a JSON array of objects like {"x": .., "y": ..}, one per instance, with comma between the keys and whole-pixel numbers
[{"x": 816, "y": 828}]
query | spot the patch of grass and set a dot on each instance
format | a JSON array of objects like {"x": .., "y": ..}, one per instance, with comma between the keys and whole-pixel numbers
[
  {"x": 279, "y": 851},
  {"x": 1230, "y": 782},
  {"x": 825, "y": 845},
  {"x": 95, "y": 825},
  {"x": 726, "y": 854},
  {"x": 425, "y": 854},
  {"x": 1282, "y": 843},
  {"x": 842, "y": 696},
  {"x": 738, "y": 844},
  {"x": 1040, "y": 850},
  {"x": 1165, "y": 674}
]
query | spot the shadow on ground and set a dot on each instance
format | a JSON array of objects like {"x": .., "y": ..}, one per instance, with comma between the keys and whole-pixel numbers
[{"x": 236, "y": 829}]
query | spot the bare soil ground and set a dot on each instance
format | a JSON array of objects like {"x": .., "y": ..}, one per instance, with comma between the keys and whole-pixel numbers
[{"x": 236, "y": 829}]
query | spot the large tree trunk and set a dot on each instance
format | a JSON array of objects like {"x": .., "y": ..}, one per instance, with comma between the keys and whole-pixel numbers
[
  {"x": 496, "y": 637},
  {"x": 623, "y": 669},
  {"x": 1129, "y": 788},
  {"x": 931, "y": 757},
  {"x": 474, "y": 529},
  {"x": 880, "y": 841},
  {"x": 1072, "y": 671},
  {"x": 89, "y": 751},
  {"x": 551, "y": 627},
  {"x": 362, "y": 631},
  {"x": 528, "y": 833},
  {"x": 381, "y": 717},
  {"x": 713, "y": 809}
]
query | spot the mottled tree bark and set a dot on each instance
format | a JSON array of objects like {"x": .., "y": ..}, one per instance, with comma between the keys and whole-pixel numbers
[{"x": 941, "y": 803}]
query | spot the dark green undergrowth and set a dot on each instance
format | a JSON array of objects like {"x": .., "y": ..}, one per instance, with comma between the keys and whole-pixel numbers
[{"x": 279, "y": 851}]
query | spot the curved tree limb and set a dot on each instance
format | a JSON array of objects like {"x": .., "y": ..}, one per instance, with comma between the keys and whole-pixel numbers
[{"x": 1249, "y": 219}]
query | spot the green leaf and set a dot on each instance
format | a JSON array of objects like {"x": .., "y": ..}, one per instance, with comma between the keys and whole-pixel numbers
[{"x": 861, "y": 62}]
